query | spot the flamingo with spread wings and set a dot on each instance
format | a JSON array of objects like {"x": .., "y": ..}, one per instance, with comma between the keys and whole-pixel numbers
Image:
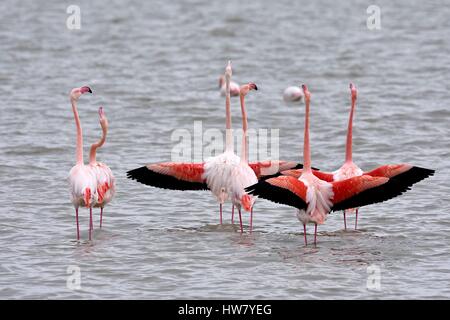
[
  {"x": 315, "y": 198},
  {"x": 82, "y": 179},
  {"x": 404, "y": 174},
  {"x": 106, "y": 183},
  {"x": 216, "y": 174}
]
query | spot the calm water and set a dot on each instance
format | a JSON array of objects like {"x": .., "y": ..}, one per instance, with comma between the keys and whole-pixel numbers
[{"x": 154, "y": 67}]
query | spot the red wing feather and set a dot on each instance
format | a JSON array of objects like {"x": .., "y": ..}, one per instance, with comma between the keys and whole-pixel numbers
[
  {"x": 282, "y": 189},
  {"x": 171, "y": 175}
]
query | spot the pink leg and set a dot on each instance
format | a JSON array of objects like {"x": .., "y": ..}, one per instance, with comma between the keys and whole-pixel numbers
[
  {"x": 220, "y": 213},
  {"x": 304, "y": 234},
  {"x": 345, "y": 221},
  {"x": 232, "y": 214},
  {"x": 78, "y": 225},
  {"x": 251, "y": 219},
  {"x": 356, "y": 221},
  {"x": 101, "y": 216},
  {"x": 240, "y": 220},
  {"x": 90, "y": 223},
  {"x": 315, "y": 233}
]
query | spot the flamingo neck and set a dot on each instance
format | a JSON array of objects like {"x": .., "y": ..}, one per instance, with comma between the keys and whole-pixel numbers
[
  {"x": 306, "y": 147},
  {"x": 79, "y": 148},
  {"x": 229, "y": 133},
  {"x": 95, "y": 146},
  {"x": 244, "y": 150},
  {"x": 348, "y": 147}
]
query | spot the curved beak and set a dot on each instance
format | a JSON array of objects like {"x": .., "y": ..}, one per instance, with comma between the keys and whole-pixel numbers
[{"x": 85, "y": 89}]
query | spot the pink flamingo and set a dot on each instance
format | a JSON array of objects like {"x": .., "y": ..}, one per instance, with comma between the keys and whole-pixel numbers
[
  {"x": 82, "y": 180},
  {"x": 244, "y": 175},
  {"x": 316, "y": 198},
  {"x": 234, "y": 87},
  {"x": 292, "y": 94},
  {"x": 215, "y": 174},
  {"x": 404, "y": 174},
  {"x": 106, "y": 186}
]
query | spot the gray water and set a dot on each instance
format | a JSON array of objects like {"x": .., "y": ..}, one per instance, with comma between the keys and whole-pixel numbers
[{"x": 154, "y": 67}]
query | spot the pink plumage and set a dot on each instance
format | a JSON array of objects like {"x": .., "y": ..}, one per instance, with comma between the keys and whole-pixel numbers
[{"x": 82, "y": 178}]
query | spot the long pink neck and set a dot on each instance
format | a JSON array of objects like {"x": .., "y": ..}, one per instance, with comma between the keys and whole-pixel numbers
[
  {"x": 306, "y": 148},
  {"x": 244, "y": 150},
  {"x": 93, "y": 151},
  {"x": 229, "y": 133},
  {"x": 79, "y": 149},
  {"x": 348, "y": 147}
]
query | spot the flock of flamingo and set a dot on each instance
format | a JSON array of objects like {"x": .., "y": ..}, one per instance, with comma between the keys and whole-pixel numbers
[{"x": 233, "y": 178}]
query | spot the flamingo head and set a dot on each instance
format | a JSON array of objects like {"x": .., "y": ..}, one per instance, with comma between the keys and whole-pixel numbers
[
  {"x": 77, "y": 92},
  {"x": 228, "y": 71},
  {"x": 353, "y": 91},
  {"x": 244, "y": 89},
  {"x": 306, "y": 92},
  {"x": 103, "y": 119}
]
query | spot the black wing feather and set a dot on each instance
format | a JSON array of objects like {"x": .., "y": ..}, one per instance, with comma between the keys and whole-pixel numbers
[
  {"x": 151, "y": 178},
  {"x": 276, "y": 194},
  {"x": 391, "y": 189}
]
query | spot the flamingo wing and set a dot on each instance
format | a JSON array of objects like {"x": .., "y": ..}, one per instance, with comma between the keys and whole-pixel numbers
[
  {"x": 282, "y": 189},
  {"x": 273, "y": 168},
  {"x": 171, "y": 175},
  {"x": 364, "y": 190},
  {"x": 404, "y": 174}
]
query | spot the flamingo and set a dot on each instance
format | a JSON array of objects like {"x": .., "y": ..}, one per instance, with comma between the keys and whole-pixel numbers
[
  {"x": 106, "y": 186},
  {"x": 315, "y": 198},
  {"x": 403, "y": 173},
  {"x": 244, "y": 175},
  {"x": 234, "y": 87},
  {"x": 292, "y": 93},
  {"x": 82, "y": 179},
  {"x": 215, "y": 173}
]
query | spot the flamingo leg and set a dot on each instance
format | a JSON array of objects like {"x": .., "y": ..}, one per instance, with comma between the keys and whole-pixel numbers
[
  {"x": 240, "y": 220},
  {"x": 220, "y": 213},
  {"x": 232, "y": 214},
  {"x": 356, "y": 221},
  {"x": 90, "y": 223},
  {"x": 304, "y": 234},
  {"x": 78, "y": 225},
  {"x": 315, "y": 233},
  {"x": 251, "y": 219},
  {"x": 345, "y": 221},
  {"x": 101, "y": 216}
]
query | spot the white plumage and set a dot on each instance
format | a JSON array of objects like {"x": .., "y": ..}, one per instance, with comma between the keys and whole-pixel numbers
[
  {"x": 292, "y": 94},
  {"x": 219, "y": 174},
  {"x": 318, "y": 198},
  {"x": 105, "y": 182},
  {"x": 234, "y": 89},
  {"x": 81, "y": 179}
]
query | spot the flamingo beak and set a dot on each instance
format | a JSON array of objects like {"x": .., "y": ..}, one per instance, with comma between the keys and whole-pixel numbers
[
  {"x": 85, "y": 89},
  {"x": 353, "y": 90},
  {"x": 306, "y": 92}
]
